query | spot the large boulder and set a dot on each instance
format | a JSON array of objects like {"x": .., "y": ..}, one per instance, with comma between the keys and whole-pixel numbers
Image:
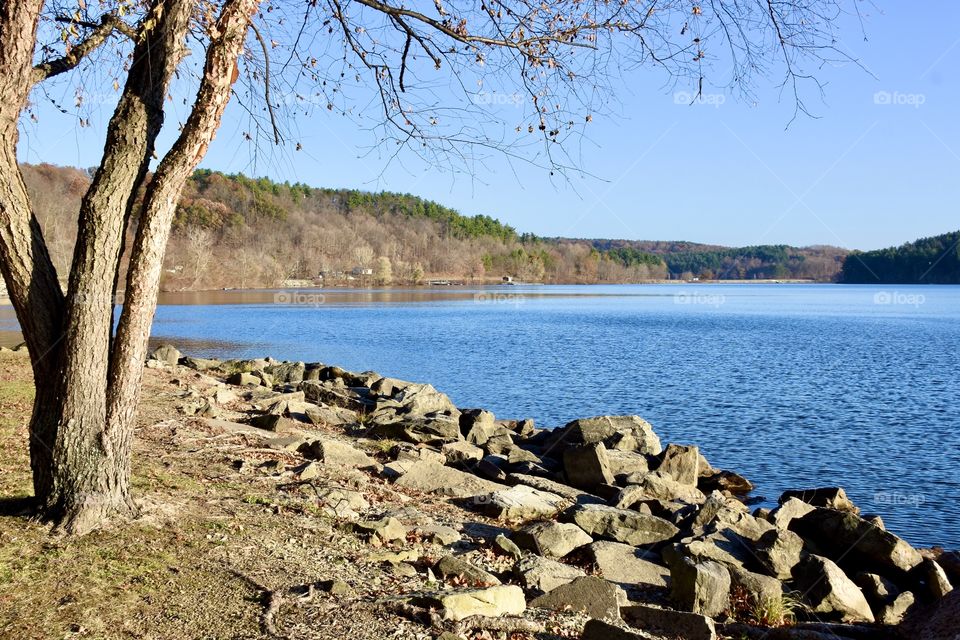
[
  {"x": 591, "y": 595},
  {"x": 653, "y": 486},
  {"x": 778, "y": 552},
  {"x": 788, "y": 511},
  {"x": 433, "y": 477},
  {"x": 335, "y": 393},
  {"x": 759, "y": 588},
  {"x": 416, "y": 429},
  {"x": 545, "y": 484},
  {"x": 521, "y": 503},
  {"x": 626, "y": 463},
  {"x": 848, "y": 538},
  {"x": 669, "y": 623},
  {"x": 338, "y": 454},
  {"x": 829, "y": 497},
  {"x": 681, "y": 464},
  {"x": 627, "y": 565},
  {"x": 933, "y": 580},
  {"x": 461, "y": 453},
  {"x": 500, "y": 600},
  {"x": 828, "y": 590},
  {"x": 699, "y": 586},
  {"x": 623, "y": 433},
  {"x": 166, "y": 353},
  {"x": 551, "y": 539},
  {"x": 478, "y": 426},
  {"x": 542, "y": 575},
  {"x": 587, "y": 466},
  {"x": 938, "y": 621},
  {"x": 290, "y": 372},
  {"x": 622, "y": 525}
]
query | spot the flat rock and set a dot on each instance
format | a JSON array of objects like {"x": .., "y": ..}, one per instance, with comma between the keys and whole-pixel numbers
[
  {"x": 542, "y": 575},
  {"x": 673, "y": 624},
  {"x": 700, "y": 586},
  {"x": 591, "y": 595},
  {"x": 623, "y": 433},
  {"x": 551, "y": 539},
  {"x": 492, "y": 602},
  {"x": 622, "y": 525},
  {"x": 456, "y": 567},
  {"x": 461, "y": 452},
  {"x": 338, "y": 454},
  {"x": 656, "y": 487},
  {"x": 600, "y": 630},
  {"x": 522, "y": 503},
  {"x": 431, "y": 477},
  {"x": 829, "y": 497},
  {"x": 788, "y": 511},
  {"x": 627, "y": 565},
  {"x": 545, "y": 484}
]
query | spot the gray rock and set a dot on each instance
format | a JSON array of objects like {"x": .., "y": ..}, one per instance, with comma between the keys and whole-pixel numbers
[
  {"x": 878, "y": 591},
  {"x": 680, "y": 463},
  {"x": 542, "y": 575},
  {"x": 625, "y": 463},
  {"x": 623, "y": 433},
  {"x": 243, "y": 379},
  {"x": 721, "y": 480},
  {"x": 587, "y": 466},
  {"x": 291, "y": 372},
  {"x": 842, "y": 534},
  {"x": 412, "y": 452},
  {"x": 439, "y": 534},
  {"x": 508, "y": 547},
  {"x": 894, "y": 613},
  {"x": 478, "y": 426},
  {"x": 778, "y": 552},
  {"x": 385, "y": 529},
  {"x": 653, "y": 486},
  {"x": 454, "y": 567},
  {"x": 939, "y": 621},
  {"x": 322, "y": 392},
  {"x": 950, "y": 561},
  {"x": 166, "y": 353},
  {"x": 724, "y": 546},
  {"x": 934, "y": 580},
  {"x": 431, "y": 477},
  {"x": 551, "y": 539},
  {"x": 700, "y": 586},
  {"x": 600, "y": 630},
  {"x": 627, "y": 565},
  {"x": 329, "y": 416},
  {"x": 522, "y": 503},
  {"x": 788, "y": 511},
  {"x": 338, "y": 454},
  {"x": 829, "y": 497},
  {"x": 200, "y": 364},
  {"x": 760, "y": 588},
  {"x": 828, "y": 590},
  {"x": 544, "y": 484},
  {"x": 591, "y": 595},
  {"x": 492, "y": 602},
  {"x": 461, "y": 452},
  {"x": 415, "y": 429},
  {"x": 666, "y": 622},
  {"x": 622, "y": 525}
]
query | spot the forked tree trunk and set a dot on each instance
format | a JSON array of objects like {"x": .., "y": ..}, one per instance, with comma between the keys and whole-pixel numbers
[{"x": 87, "y": 382}]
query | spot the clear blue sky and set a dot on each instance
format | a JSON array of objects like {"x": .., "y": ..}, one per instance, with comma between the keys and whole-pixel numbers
[{"x": 861, "y": 175}]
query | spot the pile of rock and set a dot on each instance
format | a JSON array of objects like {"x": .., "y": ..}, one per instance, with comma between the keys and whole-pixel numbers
[{"x": 603, "y": 518}]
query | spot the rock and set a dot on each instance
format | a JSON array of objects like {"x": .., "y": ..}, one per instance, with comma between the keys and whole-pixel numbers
[
  {"x": 229, "y": 367},
  {"x": 551, "y": 539},
  {"x": 385, "y": 529},
  {"x": 654, "y": 486},
  {"x": 492, "y": 602},
  {"x": 329, "y": 416},
  {"x": 424, "y": 400},
  {"x": 720, "y": 512},
  {"x": 829, "y": 497},
  {"x": 680, "y": 463},
  {"x": 933, "y": 579},
  {"x": 829, "y": 591},
  {"x": 439, "y": 534},
  {"x": 521, "y": 503},
  {"x": 431, "y": 477},
  {"x": 788, "y": 511},
  {"x": 878, "y": 591},
  {"x": 600, "y": 630},
  {"x": 562, "y": 490},
  {"x": 337, "y": 454},
  {"x": 587, "y": 466},
  {"x": 243, "y": 380},
  {"x": 760, "y": 588},
  {"x": 623, "y": 433},
  {"x": 700, "y": 586},
  {"x": 265, "y": 378},
  {"x": 508, "y": 547},
  {"x": 628, "y": 566},
  {"x": 492, "y": 467},
  {"x": 843, "y": 534},
  {"x": 389, "y": 386},
  {"x": 477, "y": 426},
  {"x": 342, "y": 503},
  {"x": 324, "y": 393},
  {"x": 591, "y": 595},
  {"x": 950, "y": 561},
  {"x": 621, "y": 525},
  {"x": 725, "y": 546},
  {"x": 666, "y": 622},
  {"x": 307, "y": 471},
  {"x": 394, "y": 558},
  {"x": 454, "y": 567},
  {"x": 291, "y": 372},
  {"x": 624, "y": 463},
  {"x": 166, "y": 353},
  {"x": 893, "y": 613},
  {"x": 542, "y": 575},
  {"x": 719, "y": 480},
  {"x": 417, "y": 429},
  {"x": 286, "y": 443},
  {"x": 275, "y": 422},
  {"x": 200, "y": 364},
  {"x": 939, "y": 621},
  {"x": 778, "y": 552},
  {"x": 336, "y": 588},
  {"x": 461, "y": 452}
]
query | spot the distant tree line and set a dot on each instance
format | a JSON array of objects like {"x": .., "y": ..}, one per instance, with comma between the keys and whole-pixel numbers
[
  {"x": 933, "y": 260},
  {"x": 237, "y": 231}
]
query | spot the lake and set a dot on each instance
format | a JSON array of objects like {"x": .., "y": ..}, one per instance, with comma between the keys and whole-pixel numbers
[{"x": 794, "y": 386}]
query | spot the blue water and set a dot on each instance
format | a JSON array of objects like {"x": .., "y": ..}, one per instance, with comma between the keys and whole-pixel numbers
[{"x": 793, "y": 386}]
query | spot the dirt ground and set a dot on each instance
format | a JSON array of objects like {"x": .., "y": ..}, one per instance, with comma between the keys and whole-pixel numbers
[{"x": 221, "y": 550}]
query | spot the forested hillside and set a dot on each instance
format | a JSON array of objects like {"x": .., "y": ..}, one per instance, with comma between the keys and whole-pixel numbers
[
  {"x": 235, "y": 231},
  {"x": 933, "y": 260}
]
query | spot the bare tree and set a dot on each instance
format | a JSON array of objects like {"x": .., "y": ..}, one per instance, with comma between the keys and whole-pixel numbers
[{"x": 559, "y": 57}]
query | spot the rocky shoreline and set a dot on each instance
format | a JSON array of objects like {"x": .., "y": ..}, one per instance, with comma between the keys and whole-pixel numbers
[{"x": 644, "y": 539}]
